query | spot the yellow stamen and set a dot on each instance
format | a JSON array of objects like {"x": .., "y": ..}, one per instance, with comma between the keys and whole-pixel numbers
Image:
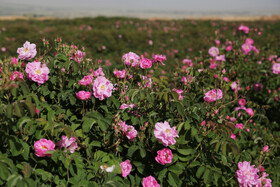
[
  {"x": 38, "y": 71},
  {"x": 26, "y": 49}
]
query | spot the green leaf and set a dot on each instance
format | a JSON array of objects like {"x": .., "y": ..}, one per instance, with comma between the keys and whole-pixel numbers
[
  {"x": 143, "y": 153},
  {"x": 25, "y": 151},
  {"x": 186, "y": 151},
  {"x": 200, "y": 171},
  {"x": 131, "y": 150},
  {"x": 224, "y": 160},
  {"x": 162, "y": 174},
  {"x": 172, "y": 178},
  {"x": 194, "y": 164},
  {"x": 87, "y": 124}
]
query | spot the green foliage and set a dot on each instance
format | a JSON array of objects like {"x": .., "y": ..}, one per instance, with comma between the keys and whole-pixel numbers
[{"x": 204, "y": 154}]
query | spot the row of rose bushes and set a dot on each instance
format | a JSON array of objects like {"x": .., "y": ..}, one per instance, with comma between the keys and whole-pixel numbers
[{"x": 186, "y": 124}]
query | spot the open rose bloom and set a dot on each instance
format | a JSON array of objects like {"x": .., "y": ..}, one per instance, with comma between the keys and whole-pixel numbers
[
  {"x": 150, "y": 181},
  {"x": 126, "y": 168},
  {"x": 131, "y": 59},
  {"x": 87, "y": 80},
  {"x": 213, "y": 95},
  {"x": 213, "y": 51},
  {"x": 27, "y": 52},
  {"x": 165, "y": 134},
  {"x": 164, "y": 156},
  {"x": 102, "y": 88},
  {"x": 276, "y": 68},
  {"x": 42, "y": 146},
  {"x": 36, "y": 72}
]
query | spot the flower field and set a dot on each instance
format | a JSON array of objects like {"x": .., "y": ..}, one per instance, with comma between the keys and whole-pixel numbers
[{"x": 130, "y": 102}]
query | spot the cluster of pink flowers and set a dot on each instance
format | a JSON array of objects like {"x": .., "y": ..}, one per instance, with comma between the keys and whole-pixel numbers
[
  {"x": 276, "y": 68},
  {"x": 159, "y": 58},
  {"x": 120, "y": 73},
  {"x": 188, "y": 62},
  {"x": 43, "y": 145},
  {"x": 125, "y": 106},
  {"x": 131, "y": 59},
  {"x": 102, "y": 88},
  {"x": 129, "y": 130},
  {"x": 245, "y": 29},
  {"x": 37, "y": 73},
  {"x": 213, "y": 95},
  {"x": 16, "y": 74},
  {"x": 78, "y": 56},
  {"x": 248, "y": 47},
  {"x": 150, "y": 181},
  {"x": 164, "y": 156},
  {"x": 179, "y": 92},
  {"x": 27, "y": 52},
  {"x": 165, "y": 134},
  {"x": 247, "y": 175},
  {"x": 189, "y": 78},
  {"x": 69, "y": 144},
  {"x": 125, "y": 168}
]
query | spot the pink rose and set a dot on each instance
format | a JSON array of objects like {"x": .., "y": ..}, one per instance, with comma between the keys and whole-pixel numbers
[
  {"x": 265, "y": 148},
  {"x": 120, "y": 74},
  {"x": 221, "y": 58},
  {"x": 27, "y": 52},
  {"x": 242, "y": 102},
  {"x": 87, "y": 80},
  {"x": 249, "y": 41},
  {"x": 131, "y": 59},
  {"x": 213, "y": 95},
  {"x": 126, "y": 168},
  {"x": 159, "y": 58},
  {"x": 150, "y": 181},
  {"x": 245, "y": 29},
  {"x": 188, "y": 62},
  {"x": 165, "y": 134},
  {"x": 246, "y": 174},
  {"x": 239, "y": 126},
  {"x": 232, "y": 136},
  {"x": 250, "y": 111},
  {"x": 15, "y": 75},
  {"x": 102, "y": 88},
  {"x": 145, "y": 63},
  {"x": 14, "y": 61},
  {"x": 98, "y": 72},
  {"x": 164, "y": 156},
  {"x": 69, "y": 144},
  {"x": 246, "y": 48},
  {"x": 276, "y": 68},
  {"x": 129, "y": 130},
  {"x": 78, "y": 56},
  {"x": 43, "y": 145},
  {"x": 213, "y": 51},
  {"x": 229, "y": 48},
  {"x": 37, "y": 73},
  {"x": 83, "y": 95}
]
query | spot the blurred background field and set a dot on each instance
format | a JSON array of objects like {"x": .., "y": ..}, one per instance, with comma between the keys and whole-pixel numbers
[{"x": 109, "y": 38}]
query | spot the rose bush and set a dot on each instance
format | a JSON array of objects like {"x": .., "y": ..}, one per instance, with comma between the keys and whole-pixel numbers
[{"x": 70, "y": 120}]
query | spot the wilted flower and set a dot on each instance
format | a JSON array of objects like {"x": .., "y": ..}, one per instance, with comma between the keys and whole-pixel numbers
[
  {"x": 150, "y": 181},
  {"x": 27, "y": 52},
  {"x": 69, "y": 144},
  {"x": 164, "y": 156},
  {"x": 78, "y": 56},
  {"x": 213, "y": 95},
  {"x": 165, "y": 134},
  {"x": 258, "y": 86},
  {"x": 102, "y": 88},
  {"x": 107, "y": 169},
  {"x": 37, "y": 73},
  {"x": 42, "y": 146},
  {"x": 126, "y": 168}
]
